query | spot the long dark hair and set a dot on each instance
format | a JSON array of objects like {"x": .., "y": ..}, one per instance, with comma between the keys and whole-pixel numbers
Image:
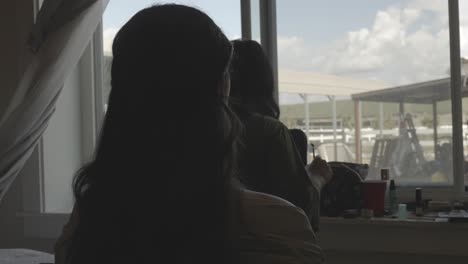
[
  {"x": 252, "y": 83},
  {"x": 158, "y": 189}
]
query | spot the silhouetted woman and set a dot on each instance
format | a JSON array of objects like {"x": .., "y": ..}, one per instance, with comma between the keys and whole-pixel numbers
[
  {"x": 160, "y": 187},
  {"x": 270, "y": 162}
]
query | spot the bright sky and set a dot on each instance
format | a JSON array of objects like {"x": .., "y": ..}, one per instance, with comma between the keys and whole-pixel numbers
[
  {"x": 226, "y": 13},
  {"x": 395, "y": 41}
]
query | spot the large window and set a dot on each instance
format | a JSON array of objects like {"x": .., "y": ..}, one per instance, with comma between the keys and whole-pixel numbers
[
  {"x": 226, "y": 14},
  {"x": 369, "y": 81}
]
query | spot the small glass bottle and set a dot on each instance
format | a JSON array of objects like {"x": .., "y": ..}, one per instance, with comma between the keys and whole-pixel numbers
[
  {"x": 392, "y": 197},
  {"x": 402, "y": 212}
]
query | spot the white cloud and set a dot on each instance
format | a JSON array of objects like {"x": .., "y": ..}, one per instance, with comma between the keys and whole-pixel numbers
[
  {"x": 389, "y": 50},
  {"x": 289, "y": 42},
  {"x": 294, "y": 53},
  {"x": 234, "y": 37},
  {"x": 438, "y": 7},
  {"x": 410, "y": 15},
  {"x": 108, "y": 38},
  {"x": 405, "y": 44}
]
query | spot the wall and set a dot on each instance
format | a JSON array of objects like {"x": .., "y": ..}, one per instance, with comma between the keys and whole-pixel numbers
[
  {"x": 8, "y": 50},
  {"x": 16, "y": 18}
]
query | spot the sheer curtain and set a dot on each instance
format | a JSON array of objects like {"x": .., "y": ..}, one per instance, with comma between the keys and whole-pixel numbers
[{"x": 62, "y": 31}]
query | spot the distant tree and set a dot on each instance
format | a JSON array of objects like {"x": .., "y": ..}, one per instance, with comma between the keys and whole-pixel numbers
[
  {"x": 390, "y": 123},
  {"x": 347, "y": 122}
]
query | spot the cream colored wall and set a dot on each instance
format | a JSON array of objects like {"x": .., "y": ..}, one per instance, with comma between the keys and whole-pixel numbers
[{"x": 16, "y": 18}]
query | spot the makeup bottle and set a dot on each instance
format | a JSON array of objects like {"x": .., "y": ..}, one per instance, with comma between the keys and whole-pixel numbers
[
  {"x": 419, "y": 203},
  {"x": 392, "y": 198}
]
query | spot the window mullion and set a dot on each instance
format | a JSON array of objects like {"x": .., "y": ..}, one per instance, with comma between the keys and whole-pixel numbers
[
  {"x": 456, "y": 96},
  {"x": 269, "y": 37},
  {"x": 246, "y": 21}
]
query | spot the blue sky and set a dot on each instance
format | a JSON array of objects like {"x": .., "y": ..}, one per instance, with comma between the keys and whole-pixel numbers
[
  {"x": 305, "y": 17},
  {"x": 322, "y": 21},
  {"x": 392, "y": 41},
  {"x": 226, "y": 13}
]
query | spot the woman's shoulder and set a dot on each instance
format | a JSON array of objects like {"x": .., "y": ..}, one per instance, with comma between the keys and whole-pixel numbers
[
  {"x": 276, "y": 232},
  {"x": 268, "y": 120}
]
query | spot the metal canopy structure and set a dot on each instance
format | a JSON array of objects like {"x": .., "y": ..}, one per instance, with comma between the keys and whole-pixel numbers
[
  {"x": 419, "y": 93},
  {"x": 429, "y": 92},
  {"x": 331, "y": 86},
  {"x": 322, "y": 84}
]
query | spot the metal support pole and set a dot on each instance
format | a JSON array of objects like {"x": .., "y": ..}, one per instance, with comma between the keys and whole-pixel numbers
[
  {"x": 307, "y": 117},
  {"x": 434, "y": 127},
  {"x": 456, "y": 96},
  {"x": 246, "y": 21},
  {"x": 402, "y": 117},
  {"x": 357, "y": 130},
  {"x": 402, "y": 108},
  {"x": 335, "y": 146},
  {"x": 381, "y": 119},
  {"x": 269, "y": 37}
]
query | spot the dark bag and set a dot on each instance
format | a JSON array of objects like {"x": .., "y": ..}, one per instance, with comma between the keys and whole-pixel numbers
[{"x": 343, "y": 192}]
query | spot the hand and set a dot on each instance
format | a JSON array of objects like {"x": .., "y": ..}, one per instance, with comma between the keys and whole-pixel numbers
[{"x": 321, "y": 168}]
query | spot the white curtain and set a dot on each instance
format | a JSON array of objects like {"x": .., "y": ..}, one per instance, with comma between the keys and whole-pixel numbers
[{"x": 62, "y": 31}]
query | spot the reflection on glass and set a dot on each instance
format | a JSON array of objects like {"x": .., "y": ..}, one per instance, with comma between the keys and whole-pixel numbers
[{"x": 371, "y": 85}]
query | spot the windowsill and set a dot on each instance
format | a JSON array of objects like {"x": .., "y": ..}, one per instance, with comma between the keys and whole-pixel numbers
[{"x": 392, "y": 236}]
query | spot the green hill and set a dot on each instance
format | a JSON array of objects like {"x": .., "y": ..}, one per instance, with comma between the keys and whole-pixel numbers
[{"x": 293, "y": 115}]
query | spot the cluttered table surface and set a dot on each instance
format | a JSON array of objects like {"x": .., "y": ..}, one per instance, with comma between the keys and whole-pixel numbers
[
  {"x": 426, "y": 235},
  {"x": 444, "y": 220}
]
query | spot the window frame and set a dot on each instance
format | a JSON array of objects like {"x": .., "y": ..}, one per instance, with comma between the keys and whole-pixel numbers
[{"x": 457, "y": 104}]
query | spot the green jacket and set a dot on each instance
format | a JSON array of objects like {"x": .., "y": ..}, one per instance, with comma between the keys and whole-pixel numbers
[{"x": 270, "y": 163}]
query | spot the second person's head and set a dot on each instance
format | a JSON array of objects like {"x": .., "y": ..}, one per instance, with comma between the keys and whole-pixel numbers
[{"x": 252, "y": 81}]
